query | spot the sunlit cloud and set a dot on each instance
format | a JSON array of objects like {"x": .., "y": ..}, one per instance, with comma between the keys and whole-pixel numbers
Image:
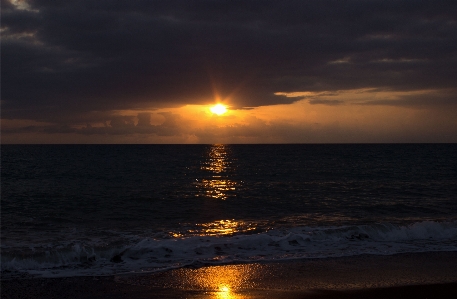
[{"x": 362, "y": 115}]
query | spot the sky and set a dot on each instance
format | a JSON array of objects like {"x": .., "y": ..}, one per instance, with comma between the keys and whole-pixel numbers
[{"x": 144, "y": 71}]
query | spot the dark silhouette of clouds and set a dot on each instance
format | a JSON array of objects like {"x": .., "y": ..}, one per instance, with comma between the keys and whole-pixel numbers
[
  {"x": 63, "y": 59},
  {"x": 325, "y": 102}
]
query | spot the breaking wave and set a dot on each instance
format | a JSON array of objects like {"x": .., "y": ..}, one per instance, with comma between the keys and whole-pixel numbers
[{"x": 150, "y": 254}]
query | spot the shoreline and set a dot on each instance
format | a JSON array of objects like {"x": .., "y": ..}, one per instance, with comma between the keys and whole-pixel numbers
[{"x": 408, "y": 275}]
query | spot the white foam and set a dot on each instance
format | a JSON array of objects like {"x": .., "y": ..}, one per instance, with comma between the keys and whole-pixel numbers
[{"x": 299, "y": 242}]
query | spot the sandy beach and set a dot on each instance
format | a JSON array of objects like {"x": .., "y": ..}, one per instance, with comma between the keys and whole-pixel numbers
[{"x": 420, "y": 275}]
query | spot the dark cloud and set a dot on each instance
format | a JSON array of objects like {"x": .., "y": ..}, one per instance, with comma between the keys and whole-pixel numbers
[
  {"x": 325, "y": 102},
  {"x": 172, "y": 125},
  {"x": 63, "y": 59}
]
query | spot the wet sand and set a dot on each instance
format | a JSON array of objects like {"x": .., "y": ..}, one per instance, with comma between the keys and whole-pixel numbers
[{"x": 427, "y": 275}]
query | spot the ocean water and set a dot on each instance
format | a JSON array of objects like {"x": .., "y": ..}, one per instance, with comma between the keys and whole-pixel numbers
[{"x": 69, "y": 210}]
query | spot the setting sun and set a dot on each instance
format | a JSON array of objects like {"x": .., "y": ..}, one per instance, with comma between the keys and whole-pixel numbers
[{"x": 218, "y": 109}]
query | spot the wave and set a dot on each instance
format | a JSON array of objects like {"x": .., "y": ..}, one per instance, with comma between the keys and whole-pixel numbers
[{"x": 149, "y": 254}]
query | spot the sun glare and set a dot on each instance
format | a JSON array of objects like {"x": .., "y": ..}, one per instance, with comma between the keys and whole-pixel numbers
[{"x": 218, "y": 109}]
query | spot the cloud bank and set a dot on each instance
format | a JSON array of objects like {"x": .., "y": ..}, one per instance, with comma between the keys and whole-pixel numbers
[{"x": 72, "y": 63}]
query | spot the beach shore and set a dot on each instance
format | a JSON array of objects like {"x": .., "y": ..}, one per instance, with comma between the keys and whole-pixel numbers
[{"x": 419, "y": 275}]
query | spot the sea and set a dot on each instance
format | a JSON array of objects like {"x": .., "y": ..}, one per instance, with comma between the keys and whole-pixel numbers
[{"x": 96, "y": 210}]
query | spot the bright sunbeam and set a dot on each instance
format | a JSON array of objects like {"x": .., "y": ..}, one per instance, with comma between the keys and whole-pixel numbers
[{"x": 218, "y": 109}]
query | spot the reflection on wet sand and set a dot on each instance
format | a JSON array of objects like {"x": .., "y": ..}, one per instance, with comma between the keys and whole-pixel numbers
[
  {"x": 224, "y": 292},
  {"x": 216, "y": 185},
  {"x": 224, "y": 282},
  {"x": 314, "y": 278}
]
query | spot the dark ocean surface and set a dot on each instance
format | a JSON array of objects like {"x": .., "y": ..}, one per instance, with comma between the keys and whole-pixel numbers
[{"x": 71, "y": 210}]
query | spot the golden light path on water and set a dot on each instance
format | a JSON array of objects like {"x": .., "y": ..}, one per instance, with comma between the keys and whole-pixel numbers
[
  {"x": 217, "y": 164},
  {"x": 217, "y": 186},
  {"x": 224, "y": 227},
  {"x": 223, "y": 282}
]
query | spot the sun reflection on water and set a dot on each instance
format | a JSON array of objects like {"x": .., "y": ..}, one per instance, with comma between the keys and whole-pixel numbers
[
  {"x": 216, "y": 184},
  {"x": 224, "y": 228},
  {"x": 217, "y": 188},
  {"x": 217, "y": 228},
  {"x": 217, "y": 161},
  {"x": 217, "y": 165}
]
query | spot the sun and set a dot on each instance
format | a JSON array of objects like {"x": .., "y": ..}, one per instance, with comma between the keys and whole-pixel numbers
[{"x": 218, "y": 109}]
